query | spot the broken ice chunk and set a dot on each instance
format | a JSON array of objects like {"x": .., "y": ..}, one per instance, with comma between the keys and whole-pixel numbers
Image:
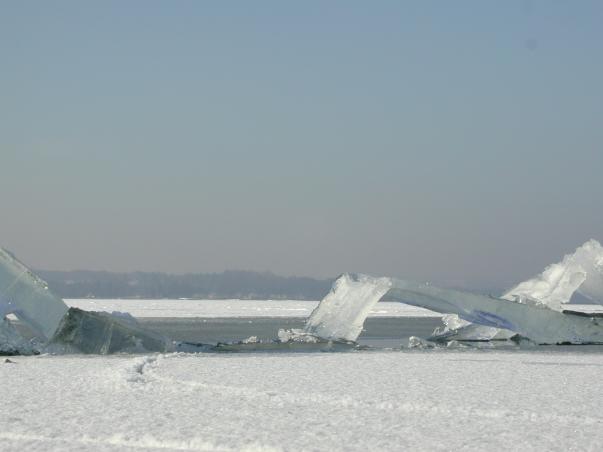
[
  {"x": 104, "y": 333},
  {"x": 458, "y": 329},
  {"x": 12, "y": 343},
  {"x": 296, "y": 335}
]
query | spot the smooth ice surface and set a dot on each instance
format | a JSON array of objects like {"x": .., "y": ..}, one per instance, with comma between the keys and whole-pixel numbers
[
  {"x": 24, "y": 294},
  {"x": 419, "y": 400},
  {"x": 341, "y": 314},
  {"x": 233, "y": 308},
  {"x": 581, "y": 271}
]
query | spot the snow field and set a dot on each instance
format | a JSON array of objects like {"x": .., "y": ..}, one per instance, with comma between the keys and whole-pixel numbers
[{"x": 425, "y": 400}]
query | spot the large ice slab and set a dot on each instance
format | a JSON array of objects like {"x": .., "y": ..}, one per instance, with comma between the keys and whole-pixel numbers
[
  {"x": 27, "y": 296},
  {"x": 538, "y": 323},
  {"x": 59, "y": 328}
]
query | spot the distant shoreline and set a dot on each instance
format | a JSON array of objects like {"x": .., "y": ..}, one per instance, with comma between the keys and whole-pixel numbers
[{"x": 227, "y": 285}]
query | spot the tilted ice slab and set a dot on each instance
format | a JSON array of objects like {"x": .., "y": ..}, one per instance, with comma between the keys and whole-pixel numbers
[
  {"x": 26, "y": 296},
  {"x": 540, "y": 324}
]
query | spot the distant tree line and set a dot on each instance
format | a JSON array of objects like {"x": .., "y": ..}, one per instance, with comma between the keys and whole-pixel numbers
[{"x": 229, "y": 284}]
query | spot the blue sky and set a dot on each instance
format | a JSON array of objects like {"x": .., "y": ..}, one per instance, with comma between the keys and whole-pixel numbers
[{"x": 459, "y": 142}]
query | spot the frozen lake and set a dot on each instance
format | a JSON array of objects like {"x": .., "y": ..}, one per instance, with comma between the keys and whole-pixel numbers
[
  {"x": 378, "y": 332},
  {"x": 389, "y": 324}
]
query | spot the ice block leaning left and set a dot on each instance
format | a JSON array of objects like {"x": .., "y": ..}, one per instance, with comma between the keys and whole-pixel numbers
[{"x": 27, "y": 296}]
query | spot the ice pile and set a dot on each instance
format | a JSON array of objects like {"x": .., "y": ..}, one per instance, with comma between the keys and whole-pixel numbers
[
  {"x": 532, "y": 310},
  {"x": 53, "y": 326}
]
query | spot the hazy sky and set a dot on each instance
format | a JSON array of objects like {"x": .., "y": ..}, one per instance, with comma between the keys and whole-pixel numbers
[{"x": 459, "y": 142}]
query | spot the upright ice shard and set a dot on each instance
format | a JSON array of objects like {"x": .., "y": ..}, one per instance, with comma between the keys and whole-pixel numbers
[
  {"x": 580, "y": 271},
  {"x": 341, "y": 314}
]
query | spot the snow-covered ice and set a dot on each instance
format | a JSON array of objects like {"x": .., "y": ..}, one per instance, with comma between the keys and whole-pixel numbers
[
  {"x": 425, "y": 400},
  {"x": 233, "y": 308}
]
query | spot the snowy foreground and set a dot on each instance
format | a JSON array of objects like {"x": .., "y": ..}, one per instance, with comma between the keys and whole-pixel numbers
[{"x": 548, "y": 399}]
